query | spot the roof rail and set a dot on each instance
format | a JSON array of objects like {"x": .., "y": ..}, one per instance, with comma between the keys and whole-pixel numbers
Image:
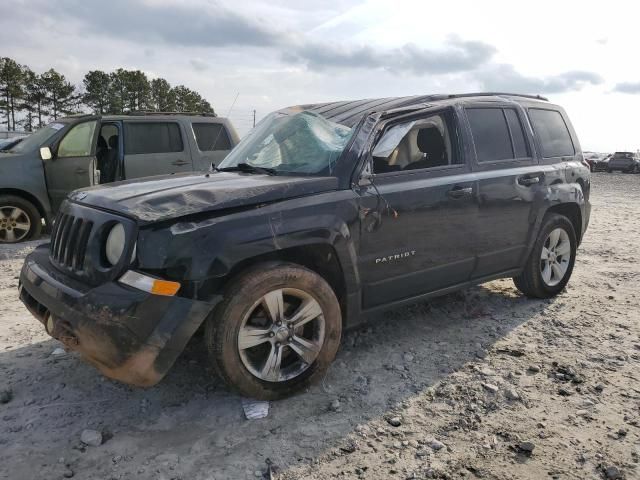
[
  {"x": 495, "y": 94},
  {"x": 149, "y": 112}
]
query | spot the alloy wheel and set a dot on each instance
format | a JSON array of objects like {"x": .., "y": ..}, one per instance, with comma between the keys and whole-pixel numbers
[
  {"x": 281, "y": 335},
  {"x": 15, "y": 224},
  {"x": 555, "y": 257}
]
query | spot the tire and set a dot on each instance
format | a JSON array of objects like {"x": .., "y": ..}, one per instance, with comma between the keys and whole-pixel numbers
[
  {"x": 532, "y": 281},
  {"x": 244, "y": 309},
  {"x": 16, "y": 212}
]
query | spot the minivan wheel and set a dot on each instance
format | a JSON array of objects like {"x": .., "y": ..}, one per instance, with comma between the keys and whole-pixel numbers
[
  {"x": 20, "y": 220},
  {"x": 276, "y": 331},
  {"x": 550, "y": 264}
]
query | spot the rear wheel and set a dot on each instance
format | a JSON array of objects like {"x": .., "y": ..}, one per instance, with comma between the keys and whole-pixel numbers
[
  {"x": 276, "y": 331},
  {"x": 20, "y": 220},
  {"x": 551, "y": 261}
]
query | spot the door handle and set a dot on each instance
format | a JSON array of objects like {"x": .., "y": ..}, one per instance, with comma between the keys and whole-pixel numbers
[
  {"x": 528, "y": 181},
  {"x": 179, "y": 163},
  {"x": 80, "y": 171},
  {"x": 460, "y": 192}
]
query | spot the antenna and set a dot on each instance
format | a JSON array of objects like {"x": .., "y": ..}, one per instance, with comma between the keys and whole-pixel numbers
[{"x": 215, "y": 142}]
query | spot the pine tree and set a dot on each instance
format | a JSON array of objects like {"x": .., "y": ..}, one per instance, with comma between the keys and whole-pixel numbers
[
  {"x": 34, "y": 100},
  {"x": 61, "y": 96},
  {"x": 162, "y": 98},
  {"x": 97, "y": 85},
  {"x": 11, "y": 89}
]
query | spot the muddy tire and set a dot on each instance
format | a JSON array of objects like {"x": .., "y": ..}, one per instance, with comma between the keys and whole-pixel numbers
[
  {"x": 276, "y": 331},
  {"x": 20, "y": 220},
  {"x": 550, "y": 264}
]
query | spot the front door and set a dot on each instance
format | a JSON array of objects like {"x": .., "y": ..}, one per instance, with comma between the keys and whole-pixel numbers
[
  {"x": 155, "y": 148},
  {"x": 73, "y": 164},
  {"x": 418, "y": 214}
]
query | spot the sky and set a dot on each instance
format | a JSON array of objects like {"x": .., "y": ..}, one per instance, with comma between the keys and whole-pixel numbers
[{"x": 247, "y": 55}]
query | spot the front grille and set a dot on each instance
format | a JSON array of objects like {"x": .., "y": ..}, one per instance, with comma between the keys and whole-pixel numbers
[{"x": 69, "y": 241}]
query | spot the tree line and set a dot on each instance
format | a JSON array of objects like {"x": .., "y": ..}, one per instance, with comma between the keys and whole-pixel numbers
[{"x": 29, "y": 99}]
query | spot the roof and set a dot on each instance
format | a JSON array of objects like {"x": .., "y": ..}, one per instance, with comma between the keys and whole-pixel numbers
[{"x": 350, "y": 112}]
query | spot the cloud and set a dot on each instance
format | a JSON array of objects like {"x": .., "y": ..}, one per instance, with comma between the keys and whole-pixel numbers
[
  {"x": 254, "y": 38},
  {"x": 198, "y": 64},
  {"x": 632, "y": 88},
  {"x": 503, "y": 77},
  {"x": 179, "y": 24},
  {"x": 456, "y": 56}
]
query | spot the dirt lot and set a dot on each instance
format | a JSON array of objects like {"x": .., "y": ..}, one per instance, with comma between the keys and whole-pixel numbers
[{"x": 480, "y": 384}]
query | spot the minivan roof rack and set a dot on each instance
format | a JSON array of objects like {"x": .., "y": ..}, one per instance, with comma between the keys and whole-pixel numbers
[
  {"x": 149, "y": 112},
  {"x": 495, "y": 94}
]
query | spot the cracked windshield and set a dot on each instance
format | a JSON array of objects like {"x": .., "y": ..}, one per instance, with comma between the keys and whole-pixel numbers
[{"x": 303, "y": 143}]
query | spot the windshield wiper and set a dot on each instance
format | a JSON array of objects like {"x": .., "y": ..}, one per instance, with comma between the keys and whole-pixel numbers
[{"x": 247, "y": 168}]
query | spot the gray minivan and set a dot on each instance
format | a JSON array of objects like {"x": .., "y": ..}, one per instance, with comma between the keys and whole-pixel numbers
[{"x": 84, "y": 150}]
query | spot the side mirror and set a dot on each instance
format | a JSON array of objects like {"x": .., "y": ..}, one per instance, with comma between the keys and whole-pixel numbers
[{"x": 45, "y": 153}]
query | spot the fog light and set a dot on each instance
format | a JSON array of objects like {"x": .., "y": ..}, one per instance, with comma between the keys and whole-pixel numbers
[{"x": 149, "y": 284}]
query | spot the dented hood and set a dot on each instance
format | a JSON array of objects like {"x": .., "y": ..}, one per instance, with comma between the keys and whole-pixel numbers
[{"x": 154, "y": 199}]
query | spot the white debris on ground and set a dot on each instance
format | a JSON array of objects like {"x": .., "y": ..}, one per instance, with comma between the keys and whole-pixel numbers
[
  {"x": 478, "y": 384},
  {"x": 255, "y": 409}
]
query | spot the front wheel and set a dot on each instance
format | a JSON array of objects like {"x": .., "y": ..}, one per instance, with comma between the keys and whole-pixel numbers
[
  {"x": 20, "y": 220},
  {"x": 276, "y": 331},
  {"x": 551, "y": 261}
]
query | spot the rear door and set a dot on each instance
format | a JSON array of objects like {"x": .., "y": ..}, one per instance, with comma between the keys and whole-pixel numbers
[
  {"x": 155, "y": 147},
  {"x": 510, "y": 182},
  {"x": 73, "y": 164},
  {"x": 419, "y": 212},
  {"x": 213, "y": 143}
]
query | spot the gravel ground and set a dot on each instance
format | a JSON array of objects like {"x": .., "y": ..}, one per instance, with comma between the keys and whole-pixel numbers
[{"x": 479, "y": 384}]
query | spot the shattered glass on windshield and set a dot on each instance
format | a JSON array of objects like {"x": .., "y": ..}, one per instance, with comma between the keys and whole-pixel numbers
[{"x": 302, "y": 143}]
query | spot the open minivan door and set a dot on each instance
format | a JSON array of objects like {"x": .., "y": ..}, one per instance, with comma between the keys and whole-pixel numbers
[{"x": 70, "y": 163}]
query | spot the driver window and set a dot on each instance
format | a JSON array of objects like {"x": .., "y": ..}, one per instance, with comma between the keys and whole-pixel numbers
[
  {"x": 78, "y": 142},
  {"x": 418, "y": 144}
]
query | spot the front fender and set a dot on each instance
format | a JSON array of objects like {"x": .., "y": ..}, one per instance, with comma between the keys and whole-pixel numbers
[{"x": 201, "y": 249}]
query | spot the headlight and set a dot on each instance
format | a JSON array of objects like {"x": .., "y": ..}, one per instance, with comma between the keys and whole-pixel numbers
[{"x": 115, "y": 244}]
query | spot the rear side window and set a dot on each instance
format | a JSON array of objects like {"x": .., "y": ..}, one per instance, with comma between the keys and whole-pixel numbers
[
  {"x": 211, "y": 136},
  {"x": 152, "y": 137},
  {"x": 497, "y": 134},
  {"x": 552, "y": 133}
]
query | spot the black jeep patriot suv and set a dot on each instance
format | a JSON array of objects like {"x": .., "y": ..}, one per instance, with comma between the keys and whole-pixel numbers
[{"x": 322, "y": 214}]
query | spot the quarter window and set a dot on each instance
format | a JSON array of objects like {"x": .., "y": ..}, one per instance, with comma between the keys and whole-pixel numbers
[
  {"x": 552, "y": 132},
  {"x": 211, "y": 136},
  {"x": 497, "y": 134},
  {"x": 78, "y": 142},
  {"x": 517, "y": 134},
  {"x": 152, "y": 137}
]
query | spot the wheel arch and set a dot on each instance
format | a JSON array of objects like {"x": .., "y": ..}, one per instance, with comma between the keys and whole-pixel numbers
[
  {"x": 29, "y": 197},
  {"x": 573, "y": 213},
  {"x": 321, "y": 258}
]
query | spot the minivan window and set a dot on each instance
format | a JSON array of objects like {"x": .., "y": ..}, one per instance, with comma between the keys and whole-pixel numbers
[
  {"x": 152, "y": 137},
  {"x": 78, "y": 141},
  {"x": 211, "y": 136},
  {"x": 552, "y": 133},
  {"x": 490, "y": 134},
  {"x": 38, "y": 138}
]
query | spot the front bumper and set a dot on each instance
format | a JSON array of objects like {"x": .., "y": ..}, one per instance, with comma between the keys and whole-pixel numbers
[{"x": 129, "y": 335}]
